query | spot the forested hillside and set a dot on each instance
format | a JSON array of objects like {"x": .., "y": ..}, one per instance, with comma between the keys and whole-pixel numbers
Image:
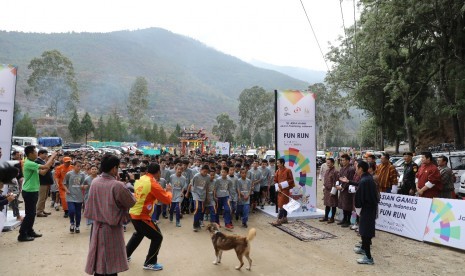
[{"x": 189, "y": 82}]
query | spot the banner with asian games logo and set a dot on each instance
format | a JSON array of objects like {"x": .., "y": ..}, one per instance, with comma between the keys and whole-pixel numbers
[{"x": 296, "y": 142}]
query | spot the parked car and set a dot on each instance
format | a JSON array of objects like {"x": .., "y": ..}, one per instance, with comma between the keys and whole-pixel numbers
[
  {"x": 251, "y": 152},
  {"x": 270, "y": 154},
  {"x": 320, "y": 157},
  {"x": 71, "y": 147}
]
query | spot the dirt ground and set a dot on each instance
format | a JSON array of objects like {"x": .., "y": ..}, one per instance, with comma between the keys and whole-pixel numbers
[{"x": 273, "y": 252}]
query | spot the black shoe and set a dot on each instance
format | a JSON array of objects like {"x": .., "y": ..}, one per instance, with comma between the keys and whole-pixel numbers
[
  {"x": 323, "y": 219},
  {"x": 165, "y": 216},
  {"x": 25, "y": 238},
  {"x": 66, "y": 215},
  {"x": 345, "y": 225},
  {"x": 244, "y": 225},
  {"x": 341, "y": 222},
  {"x": 237, "y": 217},
  {"x": 34, "y": 235}
]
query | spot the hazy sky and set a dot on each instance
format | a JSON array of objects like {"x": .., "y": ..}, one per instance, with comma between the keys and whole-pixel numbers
[{"x": 272, "y": 31}]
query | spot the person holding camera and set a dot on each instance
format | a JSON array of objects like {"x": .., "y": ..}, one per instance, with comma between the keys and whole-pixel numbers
[
  {"x": 46, "y": 180},
  {"x": 30, "y": 192}
]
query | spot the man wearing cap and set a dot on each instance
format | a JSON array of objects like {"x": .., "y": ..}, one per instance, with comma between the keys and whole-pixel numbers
[
  {"x": 408, "y": 179},
  {"x": 60, "y": 173}
]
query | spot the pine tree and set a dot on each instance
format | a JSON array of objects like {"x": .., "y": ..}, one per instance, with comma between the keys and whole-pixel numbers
[
  {"x": 74, "y": 127},
  {"x": 25, "y": 127},
  {"x": 162, "y": 136},
  {"x": 86, "y": 125}
]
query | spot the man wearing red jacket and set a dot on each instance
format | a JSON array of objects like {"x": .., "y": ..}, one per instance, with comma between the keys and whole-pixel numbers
[
  {"x": 429, "y": 178},
  {"x": 146, "y": 191}
]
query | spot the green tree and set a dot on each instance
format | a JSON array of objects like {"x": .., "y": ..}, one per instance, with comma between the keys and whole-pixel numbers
[
  {"x": 86, "y": 125},
  {"x": 25, "y": 127},
  {"x": 258, "y": 141},
  {"x": 331, "y": 110},
  {"x": 101, "y": 131},
  {"x": 255, "y": 109},
  {"x": 74, "y": 127},
  {"x": 155, "y": 134},
  {"x": 224, "y": 128},
  {"x": 173, "y": 138},
  {"x": 162, "y": 136},
  {"x": 53, "y": 81},
  {"x": 177, "y": 130},
  {"x": 138, "y": 101}
]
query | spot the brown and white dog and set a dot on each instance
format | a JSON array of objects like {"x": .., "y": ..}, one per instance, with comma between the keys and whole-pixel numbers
[{"x": 223, "y": 242}]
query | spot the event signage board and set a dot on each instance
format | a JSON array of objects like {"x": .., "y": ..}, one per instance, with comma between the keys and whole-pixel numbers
[
  {"x": 222, "y": 148},
  {"x": 446, "y": 223},
  {"x": 296, "y": 142},
  {"x": 403, "y": 215},
  {"x": 7, "y": 102}
]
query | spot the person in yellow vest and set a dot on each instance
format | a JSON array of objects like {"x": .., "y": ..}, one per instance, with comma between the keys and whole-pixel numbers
[{"x": 146, "y": 191}]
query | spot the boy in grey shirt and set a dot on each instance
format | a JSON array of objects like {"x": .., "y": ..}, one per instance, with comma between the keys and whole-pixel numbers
[
  {"x": 244, "y": 188},
  {"x": 179, "y": 184},
  {"x": 74, "y": 185},
  {"x": 198, "y": 188},
  {"x": 221, "y": 193}
]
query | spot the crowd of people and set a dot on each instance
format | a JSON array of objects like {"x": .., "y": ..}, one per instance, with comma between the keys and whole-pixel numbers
[
  {"x": 144, "y": 189},
  {"x": 357, "y": 184},
  {"x": 113, "y": 191}
]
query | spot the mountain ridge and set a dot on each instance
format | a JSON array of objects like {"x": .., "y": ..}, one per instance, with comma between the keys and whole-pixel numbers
[{"x": 189, "y": 82}]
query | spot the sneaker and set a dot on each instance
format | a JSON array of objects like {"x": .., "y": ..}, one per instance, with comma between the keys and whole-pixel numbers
[
  {"x": 129, "y": 259},
  {"x": 244, "y": 225},
  {"x": 165, "y": 216},
  {"x": 124, "y": 228},
  {"x": 57, "y": 208},
  {"x": 323, "y": 219},
  {"x": 262, "y": 207},
  {"x": 178, "y": 224},
  {"x": 77, "y": 230},
  {"x": 237, "y": 217},
  {"x": 155, "y": 267},
  {"x": 340, "y": 223},
  {"x": 359, "y": 250},
  {"x": 201, "y": 224},
  {"x": 71, "y": 228},
  {"x": 229, "y": 226},
  {"x": 197, "y": 229},
  {"x": 171, "y": 218},
  {"x": 365, "y": 260},
  {"x": 354, "y": 227},
  {"x": 359, "y": 244},
  {"x": 52, "y": 204}
]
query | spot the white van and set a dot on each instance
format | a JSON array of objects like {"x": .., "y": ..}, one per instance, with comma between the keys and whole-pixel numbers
[{"x": 24, "y": 141}]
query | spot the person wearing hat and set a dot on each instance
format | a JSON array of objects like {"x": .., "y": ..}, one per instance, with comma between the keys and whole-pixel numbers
[
  {"x": 60, "y": 173},
  {"x": 408, "y": 179}
]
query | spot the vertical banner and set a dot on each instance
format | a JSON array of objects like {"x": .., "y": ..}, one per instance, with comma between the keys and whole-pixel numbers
[
  {"x": 7, "y": 103},
  {"x": 403, "y": 215},
  {"x": 446, "y": 223},
  {"x": 296, "y": 142}
]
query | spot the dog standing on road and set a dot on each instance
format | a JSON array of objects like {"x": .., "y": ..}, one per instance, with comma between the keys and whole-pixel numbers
[{"x": 223, "y": 242}]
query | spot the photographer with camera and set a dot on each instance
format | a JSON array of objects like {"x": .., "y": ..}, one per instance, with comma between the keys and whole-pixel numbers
[{"x": 30, "y": 191}]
